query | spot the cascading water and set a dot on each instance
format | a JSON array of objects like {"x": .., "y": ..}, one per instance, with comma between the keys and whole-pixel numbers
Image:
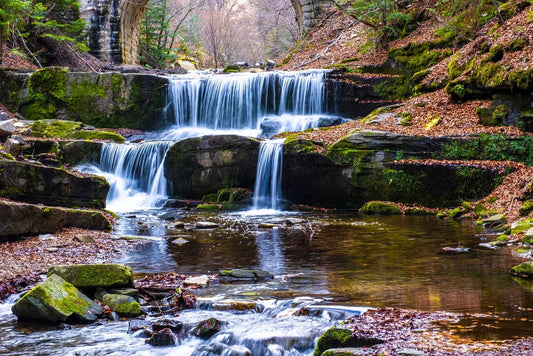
[
  {"x": 267, "y": 191},
  {"x": 255, "y": 105}
]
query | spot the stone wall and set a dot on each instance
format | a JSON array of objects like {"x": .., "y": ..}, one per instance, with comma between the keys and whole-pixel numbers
[{"x": 308, "y": 12}]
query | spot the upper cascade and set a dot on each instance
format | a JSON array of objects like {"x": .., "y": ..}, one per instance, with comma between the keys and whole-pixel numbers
[{"x": 241, "y": 100}]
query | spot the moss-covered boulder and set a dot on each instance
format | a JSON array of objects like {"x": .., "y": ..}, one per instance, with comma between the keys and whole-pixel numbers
[
  {"x": 20, "y": 219},
  {"x": 71, "y": 129},
  {"x": 123, "y": 305},
  {"x": 56, "y": 300},
  {"x": 521, "y": 225},
  {"x": 93, "y": 276},
  {"x": 336, "y": 338},
  {"x": 524, "y": 269},
  {"x": 380, "y": 208},
  {"x": 199, "y": 166},
  {"x": 207, "y": 328},
  {"x": 36, "y": 184}
]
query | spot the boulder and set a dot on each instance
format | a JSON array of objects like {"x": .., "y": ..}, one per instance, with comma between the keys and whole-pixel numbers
[
  {"x": 12, "y": 147},
  {"x": 524, "y": 269},
  {"x": 6, "y": 128},
  {"x": 198, "y": 166},
  {"x": 494, "y": 221},
  {"x": 174, "y": 325},
  {"x": 56, "y": 300},
  {"x": 132, "y": 292},
  {"x": 163, "y": 337},
  {"x": 207, "y": 328},
  {"x": 20, "y": 219},
  {"x": 380, "y": 208},
  {"x": 201, "y": 281},
  {"x": 36, "y": 184},
  {"x": 124, "y": 305},
  {"x": 93, "y": 276}
]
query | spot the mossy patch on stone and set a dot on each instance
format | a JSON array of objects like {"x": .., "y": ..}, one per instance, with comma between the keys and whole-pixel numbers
[
  {"x": 336, "y": 337},
  {"x": 524, "y": 269},
  {"x": 70, "y": 129},
  {"x": 380, "y": 208},
  {"x": 93, "y": 276},
  {"x": 123, "y": 305},
  {"x": 526, "y": 208}
]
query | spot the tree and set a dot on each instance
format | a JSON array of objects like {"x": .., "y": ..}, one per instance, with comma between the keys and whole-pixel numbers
[
  {"x": 12, "y": 13},
  {"x": 382, "y": 16}
]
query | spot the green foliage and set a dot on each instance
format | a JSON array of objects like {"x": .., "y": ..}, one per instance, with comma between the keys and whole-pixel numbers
[
  {"x": 456, "y": 90},
  {"x": 490, "y": 147},
  {"x": 476, "y": 182}
]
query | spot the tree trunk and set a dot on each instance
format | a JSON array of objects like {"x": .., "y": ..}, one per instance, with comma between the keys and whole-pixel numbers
[{"x": 2, "y": 42}]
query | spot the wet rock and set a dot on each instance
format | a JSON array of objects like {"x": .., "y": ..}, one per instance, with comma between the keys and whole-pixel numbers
[
  {"x": 179, "y": 225},
  {"x": 56, "y": 300},
  {"x": 494, "y": 221},
  {"x": 244, "y": 274},
  {"x": 266, "y": 225},
  {"x": 163, "y": 337},
  {"x": 202, "y": 281},
  {"x": 51, "y": 249},
  {"x": 206, "y": 225},
  {"x": 380, "y": 208},
  {"x": 137, "y": 324},
  {"x": 180, "y": 241},
  {"x": 207, "y": 328},
  {"x": 294, "y": 221},
  {"x": 449, "y": 249},
  {"x": 524, "y": 269},
  {"x": 93, "y": 276},
  {"x": 181, "y": 203},
  {"x": 124, "y": 305},
  {"x": 521, "y": 225},
  {"x": 335, "y": 338},
  {"x": 237, "y": 305},
  {"x": 173, "y": 325},
  {"x": 171, "y": 215},
  {"x": 21, "y": 219}
]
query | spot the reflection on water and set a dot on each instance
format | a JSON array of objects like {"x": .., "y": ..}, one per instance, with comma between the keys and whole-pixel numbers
[{"x": 377, "y": 261}]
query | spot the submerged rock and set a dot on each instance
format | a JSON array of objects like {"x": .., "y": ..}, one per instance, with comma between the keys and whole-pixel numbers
[
  {"x": 207, "y": 328},
  {"x": 206, "y": 225},
  {"x": 124, "y": 305},
  {"x": 93, "y": 276},
  {"x": 56, "y": 300},
  {"x": 244, "y": 274}
]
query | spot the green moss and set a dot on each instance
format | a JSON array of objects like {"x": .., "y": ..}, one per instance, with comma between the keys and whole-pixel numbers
[
  {"x": 521, "y": 226},
  {"x": 405, "y": 118},
  {"x": 525, "y": 269},
  {"x": 299, "y": 145},
  {"x": 393, "y": 88},
  {"x": 403, "y": 182},
  {"x": 526, "y": 208},
  {"x": 71, "y": 129},
  {"x": 47, "y": 92},
  {"x": 419, "y": 76},
  {"x": 496, "y": 53},
  {"x": 455, "y": 213},
  {"x": 339, "y": 338},
  {"x": 433, "y": 121},
  {"x": 516, "y": 45},
  {"x": 380, "y": 208},
  {"x": 485, "y": 115},
  {"x": 210, "y": 198},
  {"x": 232, "y": 69},
  {"x": 476, "y": 182},
  {"x": 457, "y": 91},
  {"x": 521, "y": 80},
  {"x": 488, "y": 75},
  {"x": 418, "y": 56}
]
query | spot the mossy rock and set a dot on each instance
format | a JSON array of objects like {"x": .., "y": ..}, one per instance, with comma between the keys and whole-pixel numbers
[
  {"x": 93, "y": 276},
  {"x": 456, "y": 213},
  {"x": 528, "y": 237},
  {"x": 516, "y": 45},
  {"x": 207, "y": 328},
  {"x": 232, "y": 69},
  {"x": 496, "y": 53},
  {"x": 380, "y": 208},
  {"x": 337, "y": 338},
  {"x": 521, "y": 80},
  {"x": 123, "y": 305},
  {"x": 56, "y": 300},
  {"x": 526, "y": 208},
  {"x": 524, "y": 269},
  {"x": 521, "y": 226},
  {"x": 71, "y": 129}
]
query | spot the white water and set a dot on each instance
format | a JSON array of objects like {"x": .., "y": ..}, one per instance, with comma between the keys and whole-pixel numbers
[
  {"x": 253, "y": 105},
  {"x": 267, "y": 191}
]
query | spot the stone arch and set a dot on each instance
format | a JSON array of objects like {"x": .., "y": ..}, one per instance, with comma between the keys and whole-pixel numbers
[{"x": 113, "y": 28}]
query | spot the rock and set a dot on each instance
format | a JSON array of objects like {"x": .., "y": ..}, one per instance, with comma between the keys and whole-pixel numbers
[
  {"x": 181, "y": 203},
  {"x": 335, "y": 338},
  {"x": 270, "y": 63},
  {"x": 379, "y": 208},
  {"x": 163, "y": 337},
  {"x": 20, "y": 219},
  {"x": 86, "y": 239},
  {"x": 138, "y": 324},
  {"x": 524, "y": 269},
  {"x": 520, "y": 226},
  {"x": 171, "y": 215},
  {"x": 294, "y": 221},
  {"x": 56, "y": 300},
  {"x": 187, "y": 65},
  {"x": 180, "y": 241},
  {"x": 207, "y": 328},
  {"x": 12, "y": 147},
  {"x": 244, "y": 274},
  {"x": 202, "y": 281},
  {"x": 173, "y": 325},
  {"x": 238, "y": 305},
  {"x": 51, "y": 249},
  {"x": 4, "y": 116},
  {"x": 448, "y": 249},
  {"x": 124, "y": 305},
  {"x": 46, "y": 237},
  {"x": 179, "y": 225},
  {"x": 18, "y": 139},
  {"x": 494, "y": 221},
  {"x": 52, "y": 186},
  {"x": 199, "y": 166},
  {"x": 6, "y": 128},
  {"x": 266, "y": 225},
  {"x": 93, "y": 276},
  {"x": 528, "y": 237},
  {"x": 345, "y": 351},
  {"x": 206, "y": 225},
  {"x": 132, "y": 292},
  {"x": 411, "y": 352}
]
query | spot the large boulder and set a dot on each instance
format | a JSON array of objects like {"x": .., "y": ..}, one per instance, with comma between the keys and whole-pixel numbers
[
  {"x": 199, "y": 166},
  {"x": 20, "y": 219},
  {"x": 56, "y": 300},
  {"x": 93, "y": 276},
  {"x": 336, "y": 337},
  {"x": 52, "y": 186},
  {"x": 6, "y": 128}
]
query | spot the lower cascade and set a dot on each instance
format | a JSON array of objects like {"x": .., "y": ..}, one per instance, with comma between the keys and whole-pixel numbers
[{"x": 267, "y": 190}]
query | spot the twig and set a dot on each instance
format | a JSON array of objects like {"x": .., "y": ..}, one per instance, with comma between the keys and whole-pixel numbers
[{"x": 27, "y": 49}]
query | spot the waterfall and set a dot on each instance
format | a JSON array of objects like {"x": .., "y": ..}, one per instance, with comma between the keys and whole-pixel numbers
[
  {"x": 240, "y": 101},
  {"x": 267, "y": 191},
  {"x": 248, "y": 104}
]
